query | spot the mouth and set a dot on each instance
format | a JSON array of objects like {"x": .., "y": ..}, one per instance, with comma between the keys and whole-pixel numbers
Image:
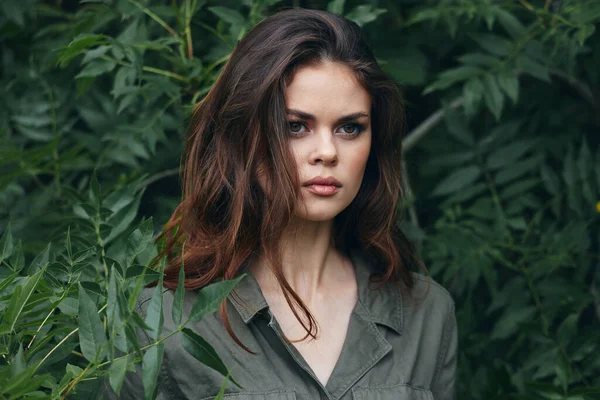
[
  {"x": 323, "y": 190},
  {"x": 320, "y": 181},
  {"x": 323, "y": 186}
]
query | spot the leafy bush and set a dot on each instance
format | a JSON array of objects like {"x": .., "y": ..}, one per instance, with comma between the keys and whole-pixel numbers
[{"x": 502, "y": 159}]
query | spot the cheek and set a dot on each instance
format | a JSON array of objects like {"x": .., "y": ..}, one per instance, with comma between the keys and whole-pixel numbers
[{"x": 360, "y": 158}]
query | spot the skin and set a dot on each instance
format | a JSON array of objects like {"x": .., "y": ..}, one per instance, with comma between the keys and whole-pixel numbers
[{"x": 322, "y": 146}]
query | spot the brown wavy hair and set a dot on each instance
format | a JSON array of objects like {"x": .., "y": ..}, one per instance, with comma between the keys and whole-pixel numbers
[{"x": 240, "y": 127}]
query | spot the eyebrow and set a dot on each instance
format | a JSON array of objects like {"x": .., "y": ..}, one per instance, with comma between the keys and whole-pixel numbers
[{"x": 310, "y": 117}]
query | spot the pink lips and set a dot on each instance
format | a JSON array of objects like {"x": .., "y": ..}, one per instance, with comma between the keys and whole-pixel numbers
[{"x": 323, "y": 186}]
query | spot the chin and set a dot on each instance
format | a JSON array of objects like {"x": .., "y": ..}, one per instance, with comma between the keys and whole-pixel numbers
[{"x": 318, "y": 213}]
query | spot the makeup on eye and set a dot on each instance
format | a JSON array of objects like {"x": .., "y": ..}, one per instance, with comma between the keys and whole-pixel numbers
[{"x": 357, "y": 127}]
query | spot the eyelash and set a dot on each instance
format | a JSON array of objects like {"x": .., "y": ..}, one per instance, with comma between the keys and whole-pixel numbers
[{"x": 359, "y": 128}]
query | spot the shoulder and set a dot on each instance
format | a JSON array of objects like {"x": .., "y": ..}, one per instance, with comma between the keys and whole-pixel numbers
[{"x": 427, "y": 296}]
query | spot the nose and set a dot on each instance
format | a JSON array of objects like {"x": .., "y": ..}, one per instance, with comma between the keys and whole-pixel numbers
[{"x": 325, "y": 150}]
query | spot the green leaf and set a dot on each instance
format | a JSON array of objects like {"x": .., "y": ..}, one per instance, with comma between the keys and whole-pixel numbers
[
  {"x": 210, "y": 297},
  {"x": 509, "y": 83},
  {"x": 11, "y": 309},
  {"x": 150, "y": 369},
  {"x": 509, "y": 322},
  {"x": 202, "y": 351},
  {"x": 533, "y": 68},
  {"x": 121, "y": 219},
  {"x": 112, "y": 305},
  {"x": 116, "y": 373},
  {"x": 563, "y": 370},
  {"x": 8, "y": 280},
  {"x": 138, "y": 240},
  {"x": 69, "y": 246},
  {"x": 424, "y": 14},
  {"x": 584, "y": 33},
  {"x": 452, "y": 76},
  {"x": 95, "y": 194},
  {"x": 479, "y": 59},
  {"x": 6, "y": 244},
  {"x": 472, "y": 95},
  {"x": 18, "y": 363},
  {"x": 84, "y": 84},
  {"x": 228, "y": 15},
  {"x": 95, "y": 68},
  {"x": 91, "y": 331},
  {"x": 584, "y": 160},
  {"x": 550, "y": 179},
  {"x": 567, "y": 330},
  {"x": 95, "y": 53},
  {"x": 154, "y": 313},
  {"x": 494, "y": 99},
  {"x": 458, "y": 126},
  {"x": 16, "y": 306},
  {"x": 336, "y": 6},
  {"x": 569, "y": 171},
  {"x": 509, "y": 154},
  {"x": 519, "y": 188},
  {"x": 364, "y": 14},
  {"x": 407, "y": 65},
  {"x": 78, "y": 45},
  {"x": 177, "y": 309},
  {"x": 18, "y": 258},
  {"x": 510, "y": 23},
  {"x": 457, "y": 180},
  {"x": 40, "y": 261},
  {"x": 493, "y": 43},
  {"x": 69, "y": 306}
]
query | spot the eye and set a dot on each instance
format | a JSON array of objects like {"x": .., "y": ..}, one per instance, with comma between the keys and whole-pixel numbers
[
  {"x": 296, "y": 126},
  {"x": 352, "y": 129}
]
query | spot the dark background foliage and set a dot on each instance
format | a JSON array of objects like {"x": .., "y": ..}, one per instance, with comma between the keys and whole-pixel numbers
[{"x": 502, "y": 159}]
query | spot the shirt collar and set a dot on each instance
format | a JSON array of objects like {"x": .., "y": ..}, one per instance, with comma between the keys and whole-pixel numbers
[{"x": 384, "y": 305}]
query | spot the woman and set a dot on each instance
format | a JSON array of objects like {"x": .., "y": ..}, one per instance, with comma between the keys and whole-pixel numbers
[{"x": 292, "y": 175}]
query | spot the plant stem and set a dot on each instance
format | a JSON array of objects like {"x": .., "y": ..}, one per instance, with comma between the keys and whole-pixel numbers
[
  {"x": 165, "y": 73},
  {"x": 43, "y": 322},
  {"x": 74, "y": 382},
  {"x": 155, "y": 17},
  {"x": 55, "y": 347},
  {"x": 148, "y": 69},
  {"x": 188, "y": 31}
]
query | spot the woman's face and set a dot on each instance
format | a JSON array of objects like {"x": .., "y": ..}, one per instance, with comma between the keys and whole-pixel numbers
[{"x": 329, "y": 115}]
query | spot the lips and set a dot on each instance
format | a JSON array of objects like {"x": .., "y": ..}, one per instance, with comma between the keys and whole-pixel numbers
[{"x": 320, "y": 181}]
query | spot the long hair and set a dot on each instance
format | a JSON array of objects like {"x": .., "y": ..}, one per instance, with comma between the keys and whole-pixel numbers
[{"x": 241, "y": 128}]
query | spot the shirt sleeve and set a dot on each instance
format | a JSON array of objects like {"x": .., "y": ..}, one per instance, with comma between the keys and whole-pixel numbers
[{"x": 443, "y": 387}]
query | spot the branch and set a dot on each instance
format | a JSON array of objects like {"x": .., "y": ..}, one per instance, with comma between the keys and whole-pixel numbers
[
  {"x": 580, "y": 87},
  {"x": 420, "y": 131},
  {"x": 154, "y": 178}
]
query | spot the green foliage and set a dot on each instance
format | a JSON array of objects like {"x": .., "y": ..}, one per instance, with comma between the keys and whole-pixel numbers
[
  {"x": 505, "y": 191},
  {"x": 88, "y": 291}
]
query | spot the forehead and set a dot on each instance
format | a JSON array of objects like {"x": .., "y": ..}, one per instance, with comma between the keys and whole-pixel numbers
[{"x": 326, "y": 90}]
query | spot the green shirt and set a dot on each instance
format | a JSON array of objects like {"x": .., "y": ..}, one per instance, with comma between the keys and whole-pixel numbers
[{"x": 396, "y": 348}]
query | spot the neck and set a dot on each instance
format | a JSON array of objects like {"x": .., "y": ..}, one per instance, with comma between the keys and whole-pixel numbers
[{"x": 310, "y": 262}]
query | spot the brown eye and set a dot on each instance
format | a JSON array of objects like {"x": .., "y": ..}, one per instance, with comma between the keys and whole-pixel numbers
[
  {"x": 349, "y": 128},
  {"x": 352, "y": 129},
  {"x": 296, "y": 127}
]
